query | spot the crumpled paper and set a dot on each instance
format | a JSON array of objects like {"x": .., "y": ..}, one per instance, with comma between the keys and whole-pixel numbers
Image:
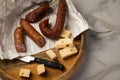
[{"x": 12, "y": 10}]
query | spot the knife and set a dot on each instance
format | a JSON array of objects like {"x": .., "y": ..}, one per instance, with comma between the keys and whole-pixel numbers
[{"x": 48, "y": 63}]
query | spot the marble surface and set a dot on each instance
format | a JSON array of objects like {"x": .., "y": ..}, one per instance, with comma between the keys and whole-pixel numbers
[{"x": 102, "y": 56}]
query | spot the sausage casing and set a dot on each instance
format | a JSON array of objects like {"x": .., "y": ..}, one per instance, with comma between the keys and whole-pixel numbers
[
  {"x": 32, "y": 33},
  {"x": 38, "y": 13},
  {"x": 58, "y": 27},
  {"x": 19, "y": 40}
]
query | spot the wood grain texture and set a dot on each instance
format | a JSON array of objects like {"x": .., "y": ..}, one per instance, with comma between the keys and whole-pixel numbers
[{"x": 9, "y": 70}]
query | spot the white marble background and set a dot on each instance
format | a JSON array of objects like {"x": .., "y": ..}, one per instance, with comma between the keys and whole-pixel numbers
[{"x": 102, "y": 57}]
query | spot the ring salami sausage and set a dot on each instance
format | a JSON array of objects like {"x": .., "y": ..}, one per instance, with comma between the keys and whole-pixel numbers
[
  {"x": 32, "y": 33},
  {"x": 19, "y": 40},
  {"x": 57, "y": 29},
  {"x": 38, "y": 13}
]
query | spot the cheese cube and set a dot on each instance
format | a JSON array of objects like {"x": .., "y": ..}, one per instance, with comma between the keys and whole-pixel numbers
[
  {"x": 51, "y": 54},
  {"x": 68, "y": 51},
  {"x": 65, "y": 42},
  {"x": 24, "y": 73},
  {"x": 40, "y": 69},
  {"x": 65, "y": 33}
]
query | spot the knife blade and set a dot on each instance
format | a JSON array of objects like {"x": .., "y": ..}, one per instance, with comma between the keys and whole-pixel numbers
[{"x": 48, "y": 63}]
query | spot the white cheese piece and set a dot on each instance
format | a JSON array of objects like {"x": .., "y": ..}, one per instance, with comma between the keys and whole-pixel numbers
[
  {"x": 65, "y": 33},
  {"x": 24, "y": 73},
  {"x": 40, "y": 69},
  {"x": 51, "y": 54},
  {"x": 64, "y": 42},
  {"x": 67, "y": 52}
]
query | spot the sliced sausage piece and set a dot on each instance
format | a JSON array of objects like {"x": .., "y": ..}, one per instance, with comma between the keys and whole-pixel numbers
[
  {"x": 19, "y": 40},
  {"x": 38, "y": 13},
  {"x": 32, "y": 33},
  {"x": 57, "y": 29}
]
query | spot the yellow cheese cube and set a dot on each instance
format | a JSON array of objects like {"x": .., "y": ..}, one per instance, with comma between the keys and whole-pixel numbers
[
  {"x": 51, "y": 54},
  {"x": 68, "y": 51},
  {"x": 24, "y": 73},
  {"x": 65, "y": 33},
  {"x": 65, "y": 42},
  {"x": 40, "y": 69}
]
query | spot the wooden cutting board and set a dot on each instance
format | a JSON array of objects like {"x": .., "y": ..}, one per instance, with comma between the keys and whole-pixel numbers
[{"x": 9, "y": 69}]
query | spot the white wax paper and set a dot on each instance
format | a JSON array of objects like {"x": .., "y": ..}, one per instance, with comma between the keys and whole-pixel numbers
[{"x": 12, "y": 10}]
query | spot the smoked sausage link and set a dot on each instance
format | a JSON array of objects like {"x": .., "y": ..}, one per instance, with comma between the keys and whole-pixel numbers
[
  {"x": 19, "y": 40},
  {"x": 38, "y": 13},
  {"x": 32, "y": 33},
  {"x": 57, "y": 29}
]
